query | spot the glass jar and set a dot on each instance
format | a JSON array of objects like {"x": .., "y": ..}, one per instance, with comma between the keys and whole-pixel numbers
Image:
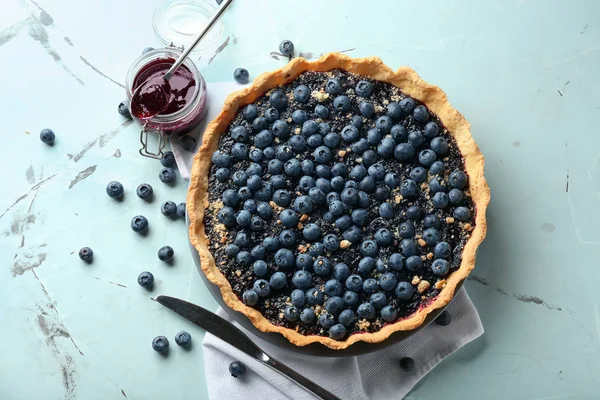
[{"x": 177, "y": 123}]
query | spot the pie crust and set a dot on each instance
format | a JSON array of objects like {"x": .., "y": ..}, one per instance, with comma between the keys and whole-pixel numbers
[{"x": 372, "y": 67}]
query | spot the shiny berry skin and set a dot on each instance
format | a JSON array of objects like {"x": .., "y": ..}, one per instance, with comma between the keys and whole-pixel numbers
[
  {"x": 271, "y": 114},
  {"x": 455, "y": 197},
  {"x": 366, "y": 109},
  {"x": 404, "y": 152},
  {"x": 284, "y": 258},
  {"x": 183, "y": 339},
  {"x": 354, "y": 283},
  {"x": 427, "y": 157},
  {"x": 278, "y": 280},
  {"x": 416, "y": 139},
  {"x": 439, "y": 145},
  {"x": 370, "y": 286},
  {"x": 404, "y": 291},
  {"x": 408, "y": 248},
  {"x": 409, "y": 188},
  {"x": 86, "y": 254},
  {"x": 286, "y": 47},
  {"x": 384, "y": 124},
  {"x": 350, "y": 299},
  {"x": 181, "y": 208},
  {"x": 408, "y": 105},
  {"x": 322, "y": 155},
  {"x": 297, "y": 297},
  {"x": 432, "y": 236},
  {"x": 239, "y": 133},
  {"x": 237, "y": 369},
  {"x": 366, "y": 311},
  {"x": 386, "y": 147},
  {"x": 314, "y": 296},
  {"x": 260, "y": 268},
  {"x": 334, "y": 305},
  {"x": 437, "y": 167},
  {"x": 326, "y": 320},
  {"x": 414, "y": 213},
  {"x": 278, "y": 100},
  {"x": 378, "y": 300},
  {"x": 258, "y": 252},
  {"x": 166, "y": 253},
  {"x": 384, "y": 237},
  {"x": 386, "y": 211},
  {"x": 222, "y": 174},
  {"x": 443, "y": 250},
  {"x": 352, "y": 234},
  {"x": 321, "y": 111},
  {"x": 432, "y": 221},
  {"x": 145, "y": 279},
  {"x": 347, "y": 318},
  {"x": 440, "y": 200},
  {"x": 458, "y": 179}
]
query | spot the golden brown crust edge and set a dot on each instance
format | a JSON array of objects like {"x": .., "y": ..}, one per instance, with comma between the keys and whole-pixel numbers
[{"x": 411, "y": 84}]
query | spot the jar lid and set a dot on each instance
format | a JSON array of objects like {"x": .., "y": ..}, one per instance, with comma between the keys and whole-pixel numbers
[{"x": 177, "y": 22}]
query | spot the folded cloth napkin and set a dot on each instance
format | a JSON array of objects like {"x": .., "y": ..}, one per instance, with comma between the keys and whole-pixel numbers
[
  {"x": 217, "y": 92},
  {"x": 378, "y": 375}
]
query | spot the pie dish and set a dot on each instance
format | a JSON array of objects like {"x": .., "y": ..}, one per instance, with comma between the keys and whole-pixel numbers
[{"x": 337, "y": 201}]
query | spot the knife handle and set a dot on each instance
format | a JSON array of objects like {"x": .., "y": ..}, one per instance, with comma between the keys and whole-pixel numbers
[{"x": 299, "y": 379}]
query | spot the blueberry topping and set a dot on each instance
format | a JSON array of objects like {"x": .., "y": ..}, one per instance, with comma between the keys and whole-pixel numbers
[
  {"x": 427, "y": 157},
  {"x": 413, "y": 263},
  {"x": 366, "y": 109},
  {"x": 302, "y": 280},
  {"x": 388, "y": 281},
  {"x": 439, "y": 145},
  {"x": 431, "y": 236},
  {"x": 378, "y": 300},
  {"x": 404, "y": 152},
  {"x": 183, "y": 339},
  {"x": 440, "y": 267},
  {"x": 337, "y": 332},
  {"x": 308, "y": 316},
  {"x": 321, "y": 111},
  {"x": 389, "y": 314},
  {"x": 342, "y": 103},
  {"x": 333, "y": 86},
  {"x": 271, "y": 115},
  {"x": 160, "y": 344},
  {"x": 326, "y": 320},
  {"x": 278, "y": 100},
  {"x": 404, "y": 291},
  {"x": 314, "y": 296},
  {"x": 347, "y": 318},
  {"x": 291, "y": 313},
  {"x": 396, "y": 261},
  {"x": 416, "y": 139},
  {"x": 462, "y": 213},
  {"x": 458, "y": 179},
  {"x": 366, "y": 311},
  {"x": 261, "y": 287},
  {"x": 334, "y": 305},
  {"x": 146, "y": 279},
  {"x": 236, "y": 368},
  {"x": 455, "y": 197},
  {"x": 406, "y": 230},
  {"x": 421, "y": 114},
  {"x": 222, "y": 174},
  {"x": 437, "y": 168},
  {"x": 350, "y": 299},
  {"x": 260, "y": 268},
  {"x": 284, "y": 258},
  {"x": 302, "y": 94},
  {"x": 386, "y": 211}
]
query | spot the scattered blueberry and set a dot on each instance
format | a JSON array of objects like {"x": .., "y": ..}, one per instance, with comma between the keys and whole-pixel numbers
[
  {"x": 286, "y": 48},
  {"x": 146, "y": 279},
  {"x": 333, "y": 86},
  {"x": 261, "y": 287},
  {"x": 302, "y": 280},
  {"x": 342, "y": 103},
  {"x": 236, "y": 368},
  {"x": 47, "y": 136},
  {"x": 413, "y": 263},
  {"x": 396, "y": 261},
  {"x": 139, "y": 224},
  {"x": 144, "y": 191},
  {"x": 421, "y": 114},
  {"x": 458, "y": 179},
  {"x": 308, "y": 316},
  {"x": 364, "y": 88},
  {"x": 166, "y": 253},
  {"x": 388, "y": 281},
  {"x": 440, "y": 267},
  {"x": 167, "y": 175},
  {"x": 114, "y": 189},
  {"x": 302, "y": 94},
  {"x": 347, "y": 318},
  {"x": 181, "y": 210},
  {"x": 86, "y": 254},
  {"x": 241, "y": 75},
  {"x": 444, "y": 318},
  {"x": 278, "y": 99},
  {"x": 183, "y": 339},
  {"x": 188, "y": 143},
  {"x": 160, "y": 344}
]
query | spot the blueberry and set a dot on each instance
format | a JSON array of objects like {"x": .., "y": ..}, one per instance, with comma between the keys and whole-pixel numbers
[
  {"x": 389, "y": 314},
  {"x": 440, "y": 267},
  {"x": 324, "y": 128},
  {"x": 378, "y": 300},
  {"x": 265, "y": 193},
  {"x": 366, "y": 311},
  {"x": 414, "y": 213},
  {"x": 388, "y": 281},
  {"x": 432, "y": 221},
  {"x": 271, "y": 243},
  {"x": 323, "y": 171},
  {"x": 336, "y": 208},
  {"x": 287, "y": 238},
  {"x": 309, "y": 127},
  {"x": 299, "y": 116},
  {"x": 462, "y": 214},
  {"x": 114, "y": 190},
  {"x": 404, "y": 291},
  {"x": 284, "y": 258},
  {"x": 370, "y": 285},
  {"x": 342, "y": 103},
  {"x": 399, "y": 133},
  {"x": 406, "y": 230},
  {"x": 277, "y": 280},
  {"x": 404, "y": 152},
  {"x": 377, "y": 171},
  {"x": 123, "y": 108},
  {"x": 409, "y": 188},
  {"x": 437, "y": 168},
  {"x": 408, "y": 248},
  {"x": 455, "y": 197},
  {"x": 357, "y": 121},
  {"x": 337, "y": 332},
  {"x": 369, "y": 248},
  {"x": 269, "y": 153},
  {"x": 366, "y": 109},
  {"x": 231, "y": 250},
  {"x": 230, "y": 198},
  {"x": 358, "y": 172},
  {"x": 326, "y": 320},
  {"x": 282, "y": 197},
  {"x": 188, "y": 143},
  {"x": 167, "y": 175},
  {"x": 413, "y": 263},
  {"x": 271, "y": 114},
  {"x": 394, "y": 111},
  {"x": 322, "y": 266},
  {"x": 166, "y": 253},
  {"x": 239, "y": 133},
  {"x": 321, "y": 111},
  {"x": 302, "y": 280},
  {"x": 432, "y": 236},
  {"x": 440, "y": 200},
  {"x": 391, "y": 180},
  {"x": 263, "y": 139},
  {"x": 278, "y": 99},
  {"x": 256, "y": 155},
  {"x": 322, "y": 154},
  {"x": 382, "y": 193},
  {"x": 384, "y": 124},
  {"x": 431, "y": 130},
  {"x": 384, "y": 237},
  {"x": 280, "y": 129},
  {"x": 308, "y": 316},
  {"x": 439, "y": 145},
  {"x": 261, "y": 287},
  {"x": 421, "y": 114},
  {"x": 396, "y": 261},
  {"x": 168, "y": 159},
  {"x": 354, "y": 283},
  {"x": 416, "y": 139},
  {"x": 286, "y": 47},
  {"x": 386, "y": 147},
  {"x": 407, "y": 364},
  {"x": 458, "y": 179},
  {"x": 306, "y": 183},
  {"x": 226, "y": 216},
  {"x": 333, "y": 196},
  {"x": 293, "y": 168},
  {"x": 317, "y": 195},
  {"x": 350, "y": 133},
  {"x": 250, "y": 112},
  {"x": 334, "y": 305},
  {"x": 315, "y": 141},
  {"x": 250, "y": 298},
  {"x": 360, "y": 217},
  {"x": 352, "y": 234},
  {"x": 291, "y": 313},
  {"x": 374, "y": 136},
  {"x": 314, "y": 296},
  {"x": 242, "y": 239},
  {"x": 350, "y": 299},
  {"x": 244, "y": 258},
  {"x": 243, "y": 218},
  {"x": 288, "y": 218},
  {"x": 332, "y": 140},
  {"x": 386, "y": 211},
  {"x": 86, "y": 254},
  {"x": 347, "y": 318},
  {"x": 324, "y": 185},
  {"x": 297, "y": 298},
  {"x": 427, "y": 157},
  {"x": 418, "y": 174},
  {"x": 331, "y": 242},
  {"x": 47, "y": 136},
  {"x": 260, "y": 268},
  {"x": 437, "y": 184},
  {"x": 139, "y": 224},
  {"x": 350, "y": 196},
  {"x": 367, "y": 184},
  {"x": 222, "y": 174},
  {"x": 408, "y": 105},
  {"x": 146, "y": 279},
  {"x": 236, "y": 368},
  {"x": 366, "y": 265},
  {"x": 333, "y": 86},
  {"x": 443, "y": 319},
  {"x": 239, "y": 178},
  {"x": 160, "y": 344}
]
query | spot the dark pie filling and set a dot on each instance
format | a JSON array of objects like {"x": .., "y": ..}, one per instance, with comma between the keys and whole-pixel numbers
[{"x": 453, "y": 231}]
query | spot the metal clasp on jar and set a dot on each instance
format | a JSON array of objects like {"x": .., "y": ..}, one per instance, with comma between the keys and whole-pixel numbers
[{"x": 162, "y": 142}]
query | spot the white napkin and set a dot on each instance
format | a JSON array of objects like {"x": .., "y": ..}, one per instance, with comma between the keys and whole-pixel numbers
[
  {"x": 372, "y": 376},
  {"x": 217, "y": 92}
]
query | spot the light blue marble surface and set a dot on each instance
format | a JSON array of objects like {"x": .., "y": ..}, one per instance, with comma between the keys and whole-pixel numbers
[{"x": 524, "y": 72}]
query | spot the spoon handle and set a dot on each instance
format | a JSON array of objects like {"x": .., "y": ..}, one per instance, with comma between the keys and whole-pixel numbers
[{"x": 209, "y": 25}]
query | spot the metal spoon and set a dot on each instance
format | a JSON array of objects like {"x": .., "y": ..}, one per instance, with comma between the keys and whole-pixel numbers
[{"x": 139, "y": 93}]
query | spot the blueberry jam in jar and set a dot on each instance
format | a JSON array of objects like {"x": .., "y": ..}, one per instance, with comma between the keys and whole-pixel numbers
[{"x": 185, "y": 91}]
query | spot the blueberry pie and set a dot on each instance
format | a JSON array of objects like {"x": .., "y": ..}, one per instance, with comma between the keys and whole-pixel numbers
[{"x": 337, "y": 201}]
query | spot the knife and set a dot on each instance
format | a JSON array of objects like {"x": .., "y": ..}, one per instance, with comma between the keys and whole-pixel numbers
[{"x": 227, "y": 332}]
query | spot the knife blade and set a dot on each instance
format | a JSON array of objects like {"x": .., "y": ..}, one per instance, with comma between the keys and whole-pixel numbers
[{"x": 227, "y": 332}]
